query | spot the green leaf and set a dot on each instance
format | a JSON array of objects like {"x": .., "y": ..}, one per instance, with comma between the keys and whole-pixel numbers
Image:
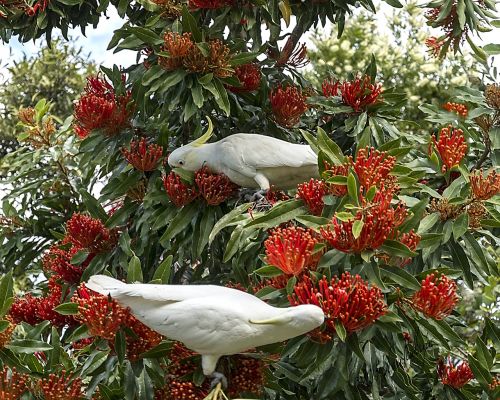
[
  {"x": 93, "y": 206},
  {"x": 146, "y": 35},
  {"x": 482, "y": 375},
  {"x": 227, "y": 220},
  {"x": 121, "y": 216},
  {"x": 483, "y": 354},
  {"x": 428, "y": 222},
  {"x": 268, "y": 271},
  {"x": 357, "y": 227},
  {"x": 134, "y": 271},
  {"x": 352, "y": 188},
  {"x": 394, "y": 3},
  {"x": 477, "y": 252},
  {"x": 6, "y": 295},
  {"x": 79, "y": 257},
  {"x": 243, "y": 58},
  {"x": 279, "y": 214},
  {"x": 397, "y": 249},
  {"x": 163, "y": 271},
  {"x": 206, "y": 226},
  {"x": 4, "y": 325},
  {"x": 460, "y": 258},
  {"x": 120, "y": 346},
  {"x": 492, "y": 49},
  {"x": 28, "y": 346},
  {"x": 400, "y": 276},
  {"x": 312, "y": 221},
  {"x": 493, "y": 331},
  {"x": 179, "y": 222},
  {"x": 158, "y": 351},
  {"x": 331, "y": 149},
  {"x": 67, "y": 309},
  {"x": 189, "y": 24},
  {"x": 222, "y": 100},
  {"x": 340, "y": 330}
]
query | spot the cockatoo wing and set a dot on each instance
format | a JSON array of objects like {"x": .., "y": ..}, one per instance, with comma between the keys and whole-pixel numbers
[{"x": 256, "y": 152}]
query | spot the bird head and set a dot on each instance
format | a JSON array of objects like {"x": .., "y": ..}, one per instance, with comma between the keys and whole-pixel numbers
[
  {"x": 305, "y": 317},
  {"x": 189, "y": 156}
]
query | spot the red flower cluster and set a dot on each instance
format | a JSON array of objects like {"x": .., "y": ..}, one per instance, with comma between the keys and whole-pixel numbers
[
  {"x": 372, "y": 167},
  {"x": 100, "y": 108},
  {"x": 214, "y": 188},
  {"x": 34, "y": 310},
  {"x": 245, "y": 375},
  {"x": 288, "y": 105},
  {"x": 58, "y": 261},
  {"x": 104, "y": 317},
  {"x": 358, "y": 93},
  {"x": 292, "y": 249},
  {"x": 434, "y": 45},
  {"x": 450, "y": 25},
  {"x": 61, "y": 387},
  {"x": 347, "y": 300},
  {"x": 451, "y": 147},
  {"x": 142, "y": 156},
  {"x": 40, "y": 5},
  {"x": 209, "y": 4},
  {"x": 312, "y": 193},
  {"x": 6, "y": 334},
  {"x": 12, "y": 384},
  {"x": 457, "y": 108},
  {"x": 484, "y": 187},
  {"x": 249, "y": 76},
  {"x": 454, "y": 373},
  {"x": 90, "y": 233},
  {"x": 293, "y": 57},
  {"x": 437, "y": 297},
  {"x": 379, "y": 220},
  {"x": 178, "y": 192},
  {"x": 178, "y": 47},
  {"x": 336, "y": 170}
]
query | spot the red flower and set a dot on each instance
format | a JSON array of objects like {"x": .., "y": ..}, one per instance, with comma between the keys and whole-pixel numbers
[
  {"x": 6, "y": 334},
  {"x": 46, "y": 305},
  {"x": 12, "y": 384},
  {"x": 214, "y": 188},
  {"x": 247, "y": 376},
  {"x": 102, "y": 315},
  {"x": 454, "y": 373},
  {"x": 484, "y": 188},
  {"x": 58, "y": 260},
  {"x": 312, "y": 193},
  {"x": 178, "y": 192},
  {"x": 292, "y": 249},
  {"x": 61, "y": 387},
  {"x": 209, "y": 4},
  {"x": 457, "y": 108},
  {"x": 358, "y": 93},
  {"x": 347, "y": 300},
  {"x": 296, "y": 58},
  {"x": 25, "y": 309},
  {"x": 141, "y": 156},
  {"x": 249, "y": 76},
  {"x": 288, "y": 105},
  {"x": 434, "y": 45},
  {"x": 38, "y": 6},
  {"x": 372, "y": 166},
  {"x": 451, "y": 147},
  {"x": 437, "y": 297},
  {"x": 379, "y": 220},
  {"x": 336, "y": 170},
  {"x": 100, "y": 108},
  {"x": 89, "y": 233},
  {"x": 450, "y": 24},
  {"x": 177, "y": 46}
]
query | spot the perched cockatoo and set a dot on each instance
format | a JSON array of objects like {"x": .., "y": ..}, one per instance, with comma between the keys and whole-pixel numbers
[
  {"x": 211, "y": 320},
  {"x": 249, "y": 160}
]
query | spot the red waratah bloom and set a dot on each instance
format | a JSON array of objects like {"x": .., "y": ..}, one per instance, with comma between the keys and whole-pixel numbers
[
  {"x": 214, "y": 188},
  {"x": 178, "y": 192},
  {"x": 336, "y": 170},
  {"x": 454, "y": 373},
  {"x": 358, "y": 93},
  {"x": 450, "y": 24},
  {"x": 61, "y": 386},
  {"x": 249, "y": 76},
  {"x": 372, "y": 166},
  {"x": 103, "y": 316},
  {"x": 177, "y": 46},
  {"x": 457, "y": 108},
  {"x": 89, "y": 233},
  {"x": 434, "y": 45},
  {"x": 451, "y": 147},
  {"x": 100, "y": 108},
  {"x": 209, "y": 4},
  {"x": 58, "y": 261},
  {"x": 38, "y": 6},
  {"x": 12, "y": 384},
  {"x": 292, "y": 249},
  {"x": 142, "y": 156},
  {"x": 25, "y": 309},
  {"x": 437, "y": 297},
  {"x": 247, "y": 376},
  {"x": 347, "y": 300},
  {"x": 312, "y": 193},
  {"x": 484, "y": 187},
  {"x": 46, "y": 305},
  {"x": 288, "y": 105},
  {"x": 379, "y": 218},
  {"x": 293, "y": 57}
]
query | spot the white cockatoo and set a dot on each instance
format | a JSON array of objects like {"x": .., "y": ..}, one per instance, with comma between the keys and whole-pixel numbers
[
  {"x": 249, "y": 160},
  {"x": 211, "y": 320}
]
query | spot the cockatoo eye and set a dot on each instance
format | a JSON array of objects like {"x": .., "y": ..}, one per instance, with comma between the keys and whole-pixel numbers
[{"x": 181, "y": 162}]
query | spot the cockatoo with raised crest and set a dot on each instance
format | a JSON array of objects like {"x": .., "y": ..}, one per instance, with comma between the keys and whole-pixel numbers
[
  {"x": 249, "y": 160},
  {"x": 211, "y": 320}
]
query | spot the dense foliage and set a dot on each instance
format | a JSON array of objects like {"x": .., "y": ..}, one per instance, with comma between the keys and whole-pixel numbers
[{"x": 380, "y": 241}]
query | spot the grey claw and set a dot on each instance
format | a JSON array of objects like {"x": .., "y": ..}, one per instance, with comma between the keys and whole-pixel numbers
[{"x": 217, "y": 378}]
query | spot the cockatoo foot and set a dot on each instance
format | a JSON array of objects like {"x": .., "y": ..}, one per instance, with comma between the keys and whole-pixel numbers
[{"x": 217, "y": 378}]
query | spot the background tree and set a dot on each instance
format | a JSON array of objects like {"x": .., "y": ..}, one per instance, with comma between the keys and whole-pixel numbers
[{"x": 378, "y": 240}]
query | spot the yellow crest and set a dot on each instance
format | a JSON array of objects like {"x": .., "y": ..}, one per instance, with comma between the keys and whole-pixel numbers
[{"x": 207, "y": 135}]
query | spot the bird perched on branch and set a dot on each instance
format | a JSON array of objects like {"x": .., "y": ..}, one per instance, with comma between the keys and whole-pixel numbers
[
  {"x": 249, "y": 160},
  {"x": 211, "y": 320}
]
